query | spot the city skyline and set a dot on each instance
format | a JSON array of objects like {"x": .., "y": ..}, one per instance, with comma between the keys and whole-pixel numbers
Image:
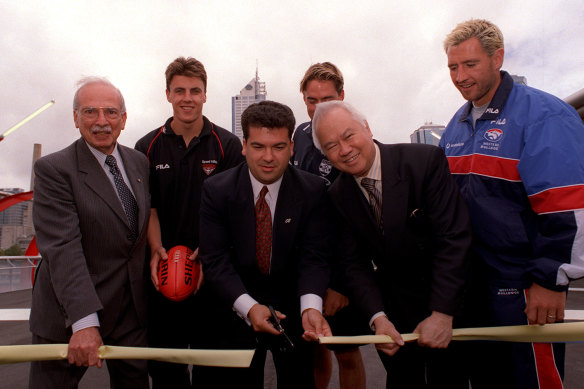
[
  {"x": 253, "y": 92},
  {"x": 391, "y": 56}
]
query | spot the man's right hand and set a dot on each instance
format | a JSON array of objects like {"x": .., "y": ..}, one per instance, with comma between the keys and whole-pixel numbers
[
  {"x": 384, "y": 327},
  {"x": 259, "y": 316},
  {"x": 156, "y": 255},
  {"x": 83, "y": 345}
]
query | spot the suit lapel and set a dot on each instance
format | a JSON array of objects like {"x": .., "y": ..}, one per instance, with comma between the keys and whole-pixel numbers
[
  {"x": 354, "y": 204},
  {"x": 242, "y": 212},
  {"x": 395, "y": 195},
  {"x": 97, "y": 181},
  {"x": 136, "y": 181},
  {"x": 286, "y": 220}
]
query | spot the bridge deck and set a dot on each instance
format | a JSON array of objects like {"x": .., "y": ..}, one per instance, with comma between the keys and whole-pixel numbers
[{"x": 16, "y": 332}]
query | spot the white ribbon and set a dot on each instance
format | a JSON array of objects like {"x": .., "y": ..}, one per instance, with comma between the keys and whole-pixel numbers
[
  {"x": 556, "y": 332},
  {"x": 48, "y": 352}
]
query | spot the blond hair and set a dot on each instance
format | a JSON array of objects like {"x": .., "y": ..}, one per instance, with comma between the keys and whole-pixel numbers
[{"x": 488, "y": 34}]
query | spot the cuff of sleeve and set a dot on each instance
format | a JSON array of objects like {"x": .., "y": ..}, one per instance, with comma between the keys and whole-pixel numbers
[
  {"x": 310, "y": 300},
  {"x": 551, "y": 286},
  {"x": 90, "y": 320},
  {"x": 378, "y": 314},
  {"x": 242, "y": 305}
]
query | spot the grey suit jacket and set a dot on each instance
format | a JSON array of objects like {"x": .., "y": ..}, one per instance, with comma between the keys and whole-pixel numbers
[{"x": 89, "y": 259}]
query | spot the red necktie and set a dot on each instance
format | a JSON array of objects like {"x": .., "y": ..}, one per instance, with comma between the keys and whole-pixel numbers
[{"x": 263, "y": 232}]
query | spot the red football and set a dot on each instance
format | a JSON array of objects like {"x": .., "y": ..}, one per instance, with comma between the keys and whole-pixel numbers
[{"x": 178, "y": 275}]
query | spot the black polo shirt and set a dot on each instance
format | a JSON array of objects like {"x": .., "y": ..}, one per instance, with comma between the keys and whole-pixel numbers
[{"x": 177, "y": 173}]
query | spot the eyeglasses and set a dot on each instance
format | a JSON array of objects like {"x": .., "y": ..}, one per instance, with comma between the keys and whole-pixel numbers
[{"x": 92, "y": 113}]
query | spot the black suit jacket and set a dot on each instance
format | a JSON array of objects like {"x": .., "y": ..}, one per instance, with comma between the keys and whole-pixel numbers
[
  {"x": 420, "y": 255},
  {"x": 299, "y": 239},
  {"x": 89, "y": 257}
]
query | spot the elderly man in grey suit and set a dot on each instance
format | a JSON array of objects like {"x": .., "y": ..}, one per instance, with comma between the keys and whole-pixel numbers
[{"x": 91, "y": 209}]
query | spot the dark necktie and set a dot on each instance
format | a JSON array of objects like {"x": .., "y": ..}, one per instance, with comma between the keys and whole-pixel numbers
[
  {"x": 263, "y": 232},
  {"x": 128, "y": 200},
  {"x": 374, "y": 199}
]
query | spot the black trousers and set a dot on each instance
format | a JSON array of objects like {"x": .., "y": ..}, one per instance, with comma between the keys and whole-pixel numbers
[
  {"x": 415, "y": 367},
  {"x": 182, "y": 325},
  {"x": 124, "y": 374},
  {"x": 294, "y": 369}
]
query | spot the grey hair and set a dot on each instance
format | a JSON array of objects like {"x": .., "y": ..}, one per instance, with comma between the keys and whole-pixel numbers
[
  {"x": 323, "y": 109},
  {"x": 96, "y": 80}
]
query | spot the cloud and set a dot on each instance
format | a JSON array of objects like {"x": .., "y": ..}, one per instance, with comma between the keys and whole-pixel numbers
[{"x": 390, "y": 53}]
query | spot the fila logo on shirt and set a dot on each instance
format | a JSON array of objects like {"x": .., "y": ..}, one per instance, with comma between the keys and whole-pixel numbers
[
  {"x": 162, "y": 166},
  {"x": 209, "y": 166}
]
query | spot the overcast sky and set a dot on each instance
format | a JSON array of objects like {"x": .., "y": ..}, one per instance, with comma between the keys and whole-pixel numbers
[{"x": 390, "y": 53}]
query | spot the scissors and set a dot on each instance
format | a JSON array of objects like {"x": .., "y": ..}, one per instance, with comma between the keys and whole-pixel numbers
[{"x": 287, "y": 344}]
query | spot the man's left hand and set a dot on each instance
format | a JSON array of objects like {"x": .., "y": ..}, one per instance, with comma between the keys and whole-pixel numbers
[
  {"x": 435, "y": 331},
  {"x": 544, "y": 305},
  {"x": 315, "y": 325}
]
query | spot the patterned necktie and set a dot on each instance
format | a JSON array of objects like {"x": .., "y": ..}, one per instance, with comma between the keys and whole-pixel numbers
[
  {"x": 263, "y": 232},
  {"x": 374, "y": 199},
  {"x": 128, "y": 200}
]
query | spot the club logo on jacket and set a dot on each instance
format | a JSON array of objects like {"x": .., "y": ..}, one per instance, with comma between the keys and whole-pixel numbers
[
  {"x": 325, "y": 167},
  {"x": 493, "y": 138},
  {"x": 493, "y": 135},
  {"x": 209, "y": 166}
]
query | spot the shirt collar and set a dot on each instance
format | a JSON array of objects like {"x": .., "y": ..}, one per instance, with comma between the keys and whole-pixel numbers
[
  {"x": 101, "y": 156},
  {"x": 167, "y": 128},
  {"x": 257, "y": 186},
  {"x": 375, "y": 170},
  {"x": 498, "y": 101}
]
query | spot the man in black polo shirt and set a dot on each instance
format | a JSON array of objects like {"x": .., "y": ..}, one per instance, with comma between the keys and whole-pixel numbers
[{"x": 182, "y": 153}]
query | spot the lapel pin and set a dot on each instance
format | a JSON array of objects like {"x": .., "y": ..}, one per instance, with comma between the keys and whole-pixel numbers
[
  {"x": 287, "y": 221},
  {"x": 139, "y": 180}
]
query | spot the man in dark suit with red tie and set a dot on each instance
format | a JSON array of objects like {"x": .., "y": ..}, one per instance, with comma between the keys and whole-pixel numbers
[
  {"x": 404, "y": 233},
  {"x": 266, "y": 230}
]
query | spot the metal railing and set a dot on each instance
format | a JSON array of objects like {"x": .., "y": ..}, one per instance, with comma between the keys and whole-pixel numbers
[{"x": 16, "y": 272}]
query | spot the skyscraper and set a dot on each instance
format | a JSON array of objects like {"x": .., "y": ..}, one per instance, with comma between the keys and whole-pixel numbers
[
  {"x": 253, "y": 92},
  {"x": 428, "y": 133},
  {"x": 16, "y": 221}
]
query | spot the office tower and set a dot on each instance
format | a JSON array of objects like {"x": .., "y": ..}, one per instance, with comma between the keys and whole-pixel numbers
[
  {"x": 15, "y": 221},
  {"x": 428, "y": 133},
  {"x": 253, "y": 92}
]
